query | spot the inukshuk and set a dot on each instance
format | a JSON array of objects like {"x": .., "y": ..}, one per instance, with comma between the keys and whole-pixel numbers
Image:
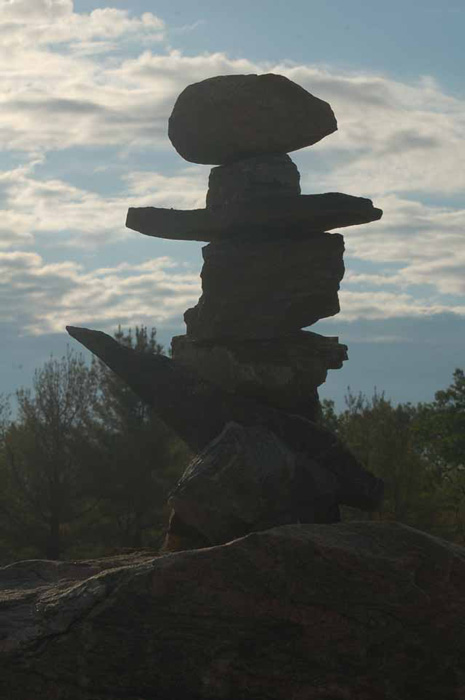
[{"x": 241, "y": 387}]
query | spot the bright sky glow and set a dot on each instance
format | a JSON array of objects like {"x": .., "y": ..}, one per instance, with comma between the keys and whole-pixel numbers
[{"x": 86, "y": 91}]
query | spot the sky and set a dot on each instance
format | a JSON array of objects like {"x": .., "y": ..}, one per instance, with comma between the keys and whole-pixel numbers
[{"x": 86, "y": 92}]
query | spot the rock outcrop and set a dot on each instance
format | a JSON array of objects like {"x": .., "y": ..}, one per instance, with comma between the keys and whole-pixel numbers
[{"x": 363, "y": 610}]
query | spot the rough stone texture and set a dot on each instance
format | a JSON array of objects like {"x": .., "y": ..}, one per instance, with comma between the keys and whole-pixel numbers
[
  {"x": 195, "y": 408},
  {"x": 231, "y": 117},
  {"x": 264, "y": 289},
  {"x": 292, "y": 216},
  {"x": 365, "y": 610},
  {"x": 284, "y": 372},
  {"x": 248, "y": 480},
  {"x": 263, "y": 176},
  {"x": 198, "y": 412}
]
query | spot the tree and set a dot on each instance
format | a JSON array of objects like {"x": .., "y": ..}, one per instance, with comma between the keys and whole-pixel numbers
[
  {"x": 140, "y": 457},
  {"x": 442, "y": 426},
  {"x": 5, "y": 545},
  {"x": 44, "y": 449},
  {"x": 440, "y": 433},
  {"x": 85, "y": 467},
  {"x": 381, "y": 436}
]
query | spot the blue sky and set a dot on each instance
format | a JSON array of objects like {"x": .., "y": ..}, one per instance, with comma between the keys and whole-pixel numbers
[{"x": 87, "y": 88}]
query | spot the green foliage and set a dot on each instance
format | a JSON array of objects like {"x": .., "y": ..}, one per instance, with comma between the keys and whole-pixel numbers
[
  {"x": 442, "y": 427},
  {"x": 417, "y": 450},
  {"x": 85, "y": 467},
  {"x": 140, "y": 458},
  {"x": 440, "y": 432},
  {"x": 45, "y": 486}
]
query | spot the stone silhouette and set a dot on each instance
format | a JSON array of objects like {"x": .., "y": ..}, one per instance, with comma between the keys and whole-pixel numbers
[
  {"x": 233, "y": 117},
  {"x": 242, "y": 385}
]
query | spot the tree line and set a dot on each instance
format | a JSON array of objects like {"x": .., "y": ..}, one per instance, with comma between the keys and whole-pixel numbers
[
  {"x": 419, "y": 452},
  {"x": 86, "y": 467}
]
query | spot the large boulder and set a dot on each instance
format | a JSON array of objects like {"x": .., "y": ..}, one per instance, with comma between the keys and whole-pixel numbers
[
  {"x": 365, "y": 610},
  {"x": 265, "y": 289},
  {"x": 231, "y": 117}
]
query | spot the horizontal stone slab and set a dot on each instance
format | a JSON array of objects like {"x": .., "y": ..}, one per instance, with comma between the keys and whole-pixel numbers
[
  {"x": 284, "y": 372},
  {"x": 230, "y": 117},
  {"x": 266, "y": 289},
  {"x": 289, "y": 215}
]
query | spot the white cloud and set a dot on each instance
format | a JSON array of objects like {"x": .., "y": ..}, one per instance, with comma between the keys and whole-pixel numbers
[
  {"x": 186, "y": 190},
  {"x": 426, "y": 242},
  {"x": 27, "y": 11},
  {"x": 392, "y": 136},
  {"x": 68, "y": 81},
  {"x": 372, "y": 305},
  {"x": 43, "y": 298},
  {"x": 55, "y": 83},
  {"x": 34, "y": 206},
  {"x": 49, "y": 22}
]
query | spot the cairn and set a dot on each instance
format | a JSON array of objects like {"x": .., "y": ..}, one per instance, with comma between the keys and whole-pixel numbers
[{"x": 242, "y": 385}]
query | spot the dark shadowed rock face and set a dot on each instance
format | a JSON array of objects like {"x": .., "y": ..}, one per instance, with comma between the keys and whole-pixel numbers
[
  {"x": 263, "y": 176},
  {"x": 284, "y": 372},
  {"x": 365, "y": 611},
  {"x": 268, "y": 288},
  {"x": 195, "y": 408},
  {"x": 247, "y": 480},
  {"x": 232, "y": 117}
]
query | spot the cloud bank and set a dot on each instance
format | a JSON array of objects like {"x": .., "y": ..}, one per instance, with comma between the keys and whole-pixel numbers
[
  {"x": 73, "y": 82},
  {"x": 44, "y": 297}
]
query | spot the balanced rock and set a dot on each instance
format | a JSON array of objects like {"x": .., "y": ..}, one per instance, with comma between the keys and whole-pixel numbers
[
  {"x": 365, "y": 610},
  {"x": 264, "y": 289},
  {"x": 261, "y": 217},
  {"x": 263, "y": 176},
  {"x": 232, "y": 117},
  {"x": 284, "y": 372}
]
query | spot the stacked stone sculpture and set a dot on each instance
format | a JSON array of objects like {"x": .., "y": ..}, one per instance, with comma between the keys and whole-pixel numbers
[{"x": 241, "y": 387}]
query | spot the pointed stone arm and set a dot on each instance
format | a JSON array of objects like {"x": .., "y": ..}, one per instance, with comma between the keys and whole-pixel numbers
[{"x": 198, "y": 412}]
